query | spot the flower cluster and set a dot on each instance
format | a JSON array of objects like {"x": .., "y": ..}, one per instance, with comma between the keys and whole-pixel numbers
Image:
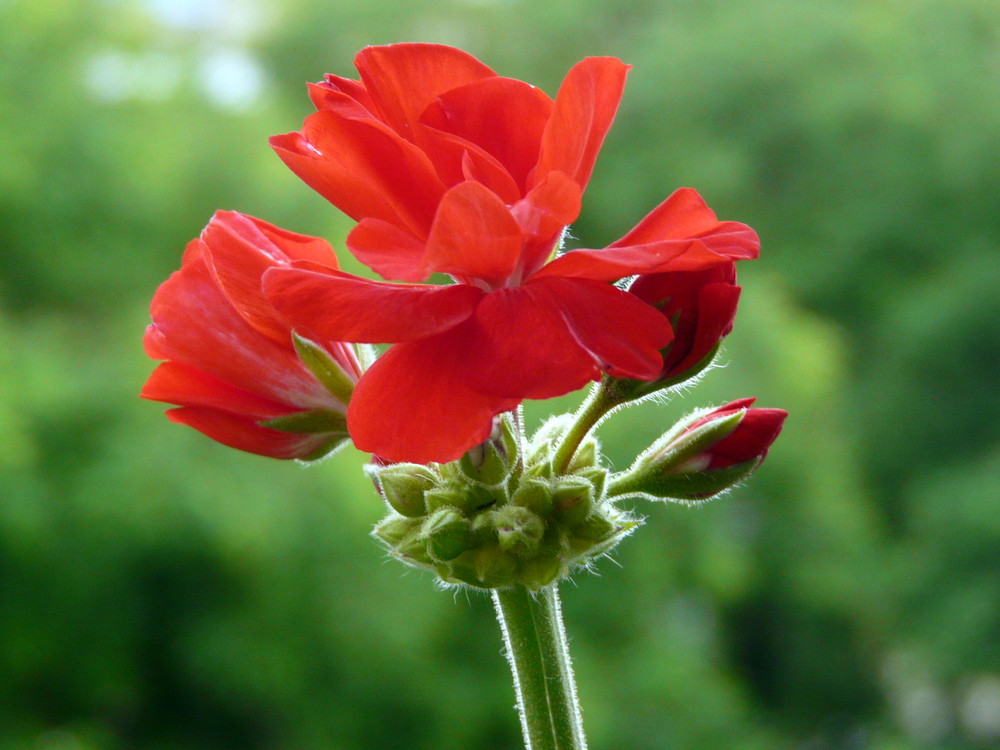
[{"x": 447, "y": 168}]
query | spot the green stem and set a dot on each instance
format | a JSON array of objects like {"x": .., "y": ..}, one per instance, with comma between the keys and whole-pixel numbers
[
  {"x": 535, "y": 638},
  {"x": 597, "y": 404},
  {"x": 535, "y": 641}
]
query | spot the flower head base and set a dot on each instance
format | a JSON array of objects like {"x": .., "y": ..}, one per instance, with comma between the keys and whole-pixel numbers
[
  {"x": 234, "y": 367},
  {"x": 532, "y": 527}
]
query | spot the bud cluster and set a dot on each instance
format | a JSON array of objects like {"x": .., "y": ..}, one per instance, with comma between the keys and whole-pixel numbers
[{"x": 501, "y": 516}]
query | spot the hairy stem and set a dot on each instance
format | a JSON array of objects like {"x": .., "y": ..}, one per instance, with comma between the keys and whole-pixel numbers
[
  {"x": 535, "y": 641},
  {"x": 597, "y": 404}
]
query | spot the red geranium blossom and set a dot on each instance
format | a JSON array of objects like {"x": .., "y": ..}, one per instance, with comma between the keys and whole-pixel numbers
[
  {"x": 452, "y": 169},
  {"x": 231, "y": 363}
]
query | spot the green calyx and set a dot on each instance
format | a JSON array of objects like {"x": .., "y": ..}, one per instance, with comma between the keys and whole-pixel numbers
[{"x": 500, "y": 516}]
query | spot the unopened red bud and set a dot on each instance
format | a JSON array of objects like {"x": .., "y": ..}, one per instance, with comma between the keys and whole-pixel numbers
[
  {"x": 751, "y": 439},
  {"x": 710, "y": 454}
]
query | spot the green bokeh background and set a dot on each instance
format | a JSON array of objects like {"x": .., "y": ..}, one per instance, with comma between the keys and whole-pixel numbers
[{"x": 161, "y": 592}]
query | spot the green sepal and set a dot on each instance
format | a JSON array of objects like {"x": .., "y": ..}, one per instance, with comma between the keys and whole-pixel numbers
[
  {"x": 538, "y": 459},
  {"x": 593, "y": 528},
  {"x": 324, "y": 368},
  {"x": 540, "y": 572},
  {"x": 469, "y": 499},
  {"x": 598, "y": 477},
  {"x": 330, "y": 446},
  {"x": 695, "y": 486},
  {"x": 624, "y": 390},
  {"x": 310, "y": 422},
  {"x": 673, "y": 451}
]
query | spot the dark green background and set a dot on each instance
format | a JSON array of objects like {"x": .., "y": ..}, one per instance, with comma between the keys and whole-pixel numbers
[{"x": 161, "y": 592}]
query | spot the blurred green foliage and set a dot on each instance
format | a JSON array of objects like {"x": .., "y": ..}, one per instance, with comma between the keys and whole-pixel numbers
[{"x": 161, "y": 592}]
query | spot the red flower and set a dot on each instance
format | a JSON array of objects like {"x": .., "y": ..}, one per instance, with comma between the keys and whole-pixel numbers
[
  {"x": 751, "y": 438},
  {"x": 700, "y": 306},
  {"x": 425, "y": 119},
  {"x": 452, "y": 169},
  {"x": 431, "y": 149},
  {"x": 232, "y": 366}
]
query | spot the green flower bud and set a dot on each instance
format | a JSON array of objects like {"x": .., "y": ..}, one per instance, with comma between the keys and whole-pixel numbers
[
  {"x": 698, "y": 485},
  {"x": 494, "y": 567},
  {"x": 489, "y": 462},
  {"x": 403, "y": 487},
  {"x": 598, "y": 477},
  {"x": 541, "y": 571},
  {"x": 485, "y": 464},
  {"x": 519, "y": 531},
  {"x": 538, "y": 460},
  {"x": 393, "y": 530},
  {"x": 535, "y": 495},
  {"x": 585, "y": 456},
  {"x": 594, "y": 528},
  {"x": 573, "y": 498},
  {"x": 402, "y": 536},
  {"x": 448, "y": 497},
  {"x": 447, "y": 533}
]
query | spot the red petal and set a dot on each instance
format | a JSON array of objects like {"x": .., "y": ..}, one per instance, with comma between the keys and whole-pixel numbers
[
  {"x": 389, "y": 251},
  {"x": 613, "y": 263},
  {"x": 474, "y": 235},
  {"x": 363, "y": 168},
  {"x": 716, "y": 310},
  {"x": 552, "y": 336},
  {"x": 354, "y": 90},
  {"x": 415, "y": 403},
  {"x": 681, "y": 234},
  {"x": 403, "y": 79},
  {"x": 584, "y": 110},
  {"x": 458, "y": 160},
  {"x": 239, "y": 248},
  {"x": 503, "y": 116},
  {"x": 685, "y": 215},
  {"x": 327, "y": 98},
  {"x": 194, "y": 325},
  {"x": 182, "y": 385},
  {"x": 349, "y": 308},
  {"x": 543, "y": 215},
  {"x": 622, "y": 333},
  {"x": 701, "y": 306},
  {"x": 244, "y": 434},
  {"x": 752, "y": 437},
  {"x": 521, "y": 346}
]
